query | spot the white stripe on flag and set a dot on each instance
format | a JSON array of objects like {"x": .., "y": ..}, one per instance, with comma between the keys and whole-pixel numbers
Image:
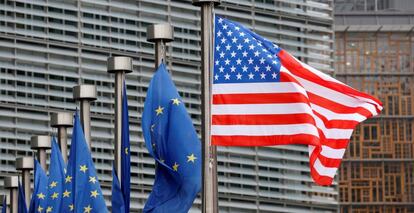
[
  {"x": 246, "y": 88},
  {"x": 332, "y": 153},
  {"x": 260, "y": 109},
  {"x": 323, "y": 170},
  {"x": 261, "y": 130}
]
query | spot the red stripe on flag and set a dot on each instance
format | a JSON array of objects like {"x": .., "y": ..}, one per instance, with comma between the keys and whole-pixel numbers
[
  {"x": 260, "y": 98},
  {"x": 237, "y": 140}
]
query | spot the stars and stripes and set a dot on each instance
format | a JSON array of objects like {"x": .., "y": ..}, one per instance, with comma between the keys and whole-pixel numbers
[{"x": 264, "y": 96}]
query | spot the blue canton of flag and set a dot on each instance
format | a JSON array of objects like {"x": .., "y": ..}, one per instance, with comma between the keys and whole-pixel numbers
[
  {"x": 85, "y": 194},
  {"x": 56, "y": 181},
  {"x": 171, "y": 139},
  {"x": 126, "y": 164},
  {"x": 21, "y": 207},
  {"x": 38, "y": 201},
  {"x": 242, "y": 56},
  {"x": 4, "y": 205}
]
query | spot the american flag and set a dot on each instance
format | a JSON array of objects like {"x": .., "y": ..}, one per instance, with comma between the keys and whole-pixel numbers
[{"x": 264, "y": 96}]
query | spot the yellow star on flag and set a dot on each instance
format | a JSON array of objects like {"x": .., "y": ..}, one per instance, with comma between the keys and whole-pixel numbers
[
  {"x": 94, "y": 193},
  {"x": 66, "y": 193},
  {"x": 49, "y": 209},
  {"x": 175, "y": 166},
  {"x": 53, "y": 184},
  {"x": 176, "y": 101},
  {"x": 126, "y": 151},
  {"x": 55, "y": 195},
  {"x": 68, "y": 179},
  {"x": 39, "y": 209},
  {"x": 191, "y": 158},
  {"x": 83, "y": 168},
  {"x": 41, "y": 196},
  {"x": 152, "y": 127},
  {"x": 71, "y": 207},
  {"x": 87, "y": 209},
  {"x": 159, "y": 110},
  {"x": 92, "y": 179}
]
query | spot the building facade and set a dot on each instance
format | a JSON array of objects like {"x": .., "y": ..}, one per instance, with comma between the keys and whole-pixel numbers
[
  {"x": 375, "y": 54},
  {"x": 49, "y": 46}
]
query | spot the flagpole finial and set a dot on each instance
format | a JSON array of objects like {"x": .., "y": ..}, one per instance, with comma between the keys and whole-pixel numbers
[
  {"x": 160, "y": 34},
  {"x": 201, "y": 2},
  {"x": 41, "y": 143},
  {"x": 119, "y": 64},
  {"x": 85, "y": 94},
  {"x": 12, "y": 183}
]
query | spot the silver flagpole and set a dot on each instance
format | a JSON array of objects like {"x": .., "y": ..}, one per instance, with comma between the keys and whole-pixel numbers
[
  {"x": 160, "y": 34},
  {"x": 209, "y": 192},
  {"x": 62, "y": 121},
  {"x": 41, "y": 143},
  {"x": 85, "y": 94},
  {"x": 119, "y": 65},
  {"x": 25, "y": 164},
  {"x": 12, "y": 183}
]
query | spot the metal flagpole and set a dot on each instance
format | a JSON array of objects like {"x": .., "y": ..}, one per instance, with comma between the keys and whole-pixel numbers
[
  {"x": 12, "y": 183},
  {"x": 85, "y": 94},
  {"x": 25, "y": 164},
  {"x": 62, "y": 121},
  {"x": 119, "y": 65},
  {"x": 160, "y": 34},
  {"x": 209, "y": 192},
  {"x": 41, "y": 143}
]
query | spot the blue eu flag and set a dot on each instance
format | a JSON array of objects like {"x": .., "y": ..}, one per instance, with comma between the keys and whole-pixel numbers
[
  {"x": 171, "y": 139},
  {"x": 56, "y": 181},
  {"x": 81, "y": 181},
  {"x": 125, "y": 162},
  {"x": 118, "y": 203},
  {"x": 21, "y": 207},
  {"x": 38, "y": 201},
  {"x": 4, "y": 206}
]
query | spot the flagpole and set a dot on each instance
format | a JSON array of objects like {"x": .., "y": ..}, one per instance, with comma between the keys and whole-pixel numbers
[
  {"x": 25, "y": 164},
  {"x": 6, "y": 202},
  {"x": 62, "y": 121},
  {"x": 85, "y": 94},
  {"x": 119, "y": 65},
  {"x": 12, "y": 183},
  {"x": 160, "y": 34},
  {"x": 209, "y": 191},
  {"x": 41, "y": 143}
]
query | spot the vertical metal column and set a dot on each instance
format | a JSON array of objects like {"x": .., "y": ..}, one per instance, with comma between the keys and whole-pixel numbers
[
  {"x": 41, "y": 143},
  {"x": 25, "y": 164},
  {"x": 12, "y": 183},
  {"x": 160, "y": 34},
  {"x": 209, "y": 193},
  {"x": 62, "y": 121},
  {"x": 85, "y": 94},
  {"x": 119, "y": 65}
]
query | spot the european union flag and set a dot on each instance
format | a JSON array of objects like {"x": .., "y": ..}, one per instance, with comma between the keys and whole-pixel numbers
[
  {"x": 81, "y": 182},
  {"x": 21, "y": 207},
  {"x": 55, "y": 191},
  {"x": 4, "y": 205},
  {"x": 38, "y": 201},
  {"x": 125, "y": 162},
  {"x": 118, "y": 203},
  {"x": 171, "y": 139}
]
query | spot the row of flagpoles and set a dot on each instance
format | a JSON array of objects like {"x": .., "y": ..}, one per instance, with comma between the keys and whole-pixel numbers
[{"x": 20, "y": 196}]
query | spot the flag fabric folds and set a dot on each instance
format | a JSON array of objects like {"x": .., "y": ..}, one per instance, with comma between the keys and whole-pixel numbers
[
  {"x": 21, "y": 207},
  {"x": 38, "y": 201},
  {"x": 118, "y": 203},
  {"x": 264, "y": 96},
  {"x": 125, "y": 147},
  {"x": 81, "y": 181},
  {"x": 125, "y": 162},
  {"x": 171, "y": 139},
  {"x": 55, "y": 192},
  {"x": 4, "y": 205}
]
